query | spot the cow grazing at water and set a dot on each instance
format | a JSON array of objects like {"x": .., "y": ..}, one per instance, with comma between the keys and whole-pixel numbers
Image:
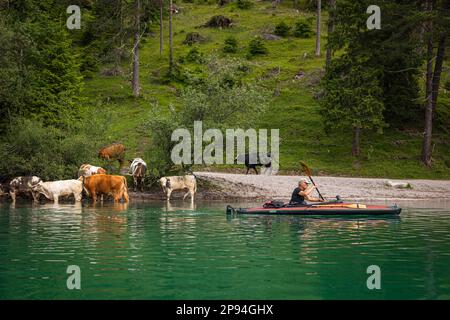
[
  {"x": 87, "y": 170},
  {"x": 104, "y": 184},
  {"x": 52, "y": 190},
  {"x": 253, "y": 160},
  {"x": 138, "y": 168},
  {"x": 169, "y": 184},
  {"x": 24, "y": 185},
  {"x": 115, "y": 151}
]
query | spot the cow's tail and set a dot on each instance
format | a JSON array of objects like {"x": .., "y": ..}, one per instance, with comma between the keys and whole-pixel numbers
[{"x": 125, "y": 184}]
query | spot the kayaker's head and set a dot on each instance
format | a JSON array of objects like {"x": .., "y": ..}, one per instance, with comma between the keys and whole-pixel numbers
[{"x": 303, "y": 184}]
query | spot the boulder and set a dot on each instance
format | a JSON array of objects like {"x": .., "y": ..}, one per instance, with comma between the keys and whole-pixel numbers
[{"x": 398, "y": 184}]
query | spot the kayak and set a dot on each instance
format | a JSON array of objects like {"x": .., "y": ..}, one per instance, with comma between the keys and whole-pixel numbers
[{"x": 320, "y": 209}]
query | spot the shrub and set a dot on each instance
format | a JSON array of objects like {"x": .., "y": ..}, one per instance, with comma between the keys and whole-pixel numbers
[
  {"x": 31, "y": 148},
  {"x": 244, "y": 4},
  {"x": 256, "y": 47},
  {"x": 194, "y": 56},
  {"x": 231, "y": 45},
  {"x": 282, "y": 29},
  {"x": 303, "y": 29}
]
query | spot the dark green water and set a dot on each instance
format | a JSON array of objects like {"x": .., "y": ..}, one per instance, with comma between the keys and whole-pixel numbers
[{"x": 148, "y": 251}]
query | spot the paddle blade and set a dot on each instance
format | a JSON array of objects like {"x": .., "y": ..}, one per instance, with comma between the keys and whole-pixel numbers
[{"x": 305, "y": 168}]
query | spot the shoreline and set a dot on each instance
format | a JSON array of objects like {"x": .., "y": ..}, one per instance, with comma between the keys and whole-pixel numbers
[{"x": 241, "y": 186}]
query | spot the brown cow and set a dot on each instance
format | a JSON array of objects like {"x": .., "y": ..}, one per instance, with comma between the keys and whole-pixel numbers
[
  {"x": 115, "y": 151},
  {"x": 106, "y": 184}
]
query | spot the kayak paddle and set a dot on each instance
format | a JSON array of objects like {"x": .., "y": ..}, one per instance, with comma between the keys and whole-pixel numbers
[{"x": 308, "y": 173}]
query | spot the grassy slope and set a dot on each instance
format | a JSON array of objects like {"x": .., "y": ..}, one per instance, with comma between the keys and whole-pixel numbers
[{"x": 394, "y": 154}]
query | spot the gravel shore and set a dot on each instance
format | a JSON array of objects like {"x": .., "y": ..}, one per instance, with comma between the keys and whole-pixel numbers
[{"x": 280, "y": 187}]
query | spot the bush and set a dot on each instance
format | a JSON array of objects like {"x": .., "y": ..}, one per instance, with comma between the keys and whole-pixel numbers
[
  {"x": 244, "y": 4},
  {"x": 282, "y": 29},
  {"x": 31, "y": 148},
  {"x": 221, "y": 99},
  {"x": 256, "y": 47},
  {"x": 194, "y": 56},
  {"x": 303, "y": 29},
  {"x": 231, "y": 45}
]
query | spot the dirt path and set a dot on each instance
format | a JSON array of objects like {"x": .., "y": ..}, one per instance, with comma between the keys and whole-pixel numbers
[{"x": 280, "y": 187}]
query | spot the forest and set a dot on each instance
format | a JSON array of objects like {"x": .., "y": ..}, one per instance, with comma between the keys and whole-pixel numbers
[{"x": 349, "y": 100}]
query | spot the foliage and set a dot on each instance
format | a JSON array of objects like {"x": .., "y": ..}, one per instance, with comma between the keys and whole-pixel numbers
[
  {"x": 220, "y": 100},
  {"x": 194, "y": 55},
  {"x": 282, "y": 29},
  {"x": 244, "y": 4},
  {"x": 31, "y": 148},
  {"x": 256, "y": 47},
  {"x": 353, "y": 97},
  {"x": 230, "y": 45},
  {"x": 303, "y": 29},
  {"x": 39, "y": 75}
]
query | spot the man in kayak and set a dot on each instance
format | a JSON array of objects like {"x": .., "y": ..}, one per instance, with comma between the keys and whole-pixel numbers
[{"x": 301, "y": 194}]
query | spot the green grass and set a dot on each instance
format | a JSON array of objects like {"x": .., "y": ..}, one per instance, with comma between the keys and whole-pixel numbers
[{"x": 295, "y": 112}]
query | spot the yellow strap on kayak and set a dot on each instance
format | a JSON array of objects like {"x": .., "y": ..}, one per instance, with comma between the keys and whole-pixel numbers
[{"x": 345, "y": 205}]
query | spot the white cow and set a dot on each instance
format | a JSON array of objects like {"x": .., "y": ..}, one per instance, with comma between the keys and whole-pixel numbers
[
  {"x": 23, "y": 185},
  {"x": 55, "y": 189},
  {"x": 170, "y": 184},
  {"x": 138, "y": 168},
  {"x": 87, "y": 170}
]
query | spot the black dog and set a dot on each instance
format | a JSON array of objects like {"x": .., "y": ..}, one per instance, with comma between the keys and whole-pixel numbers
[{"x": 251, "y": 165}]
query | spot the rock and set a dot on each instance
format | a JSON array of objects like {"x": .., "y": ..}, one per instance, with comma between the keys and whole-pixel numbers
[
  {"x": 398, "y": 184},
  {"x": 218, "y": 22},
  {"x": 270, "y": 37},
  {"x": 299, "y": 75},
  {"x": 193, "y": 37}
]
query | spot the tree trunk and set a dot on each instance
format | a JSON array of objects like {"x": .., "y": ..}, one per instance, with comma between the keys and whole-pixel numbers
[
  {"x": 319, "y": 9},
  {"x": 426, "y": 146},
  {"x": 170, "y": 39},
  {"x": 331, "y": 4},
  {"x": 161, "y": 26},
  {"x": 135, "y": 82},
  {"x": 355, "y": 142},
  {"x": 438, "y": 69}
]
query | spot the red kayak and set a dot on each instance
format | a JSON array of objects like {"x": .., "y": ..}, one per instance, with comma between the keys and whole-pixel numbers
[{"x": 320, "y": 209}]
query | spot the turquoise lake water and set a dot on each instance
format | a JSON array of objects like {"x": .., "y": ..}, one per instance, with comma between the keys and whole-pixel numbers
[{"x": 151, "y": 251}]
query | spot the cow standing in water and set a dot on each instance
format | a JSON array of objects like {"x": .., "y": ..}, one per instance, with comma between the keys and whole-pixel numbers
[
  {"x": 115, "y": 151},
  {"x": 52, "y": 190},
  {"x": 169, "y": 184},
  {"x": 24, "y": 185},
  {"x": 104, "y": 184},
  {"x": 138, "y": 168}
]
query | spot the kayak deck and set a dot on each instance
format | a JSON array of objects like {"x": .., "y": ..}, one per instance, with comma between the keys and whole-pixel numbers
[{"x": 338, "y": 209}]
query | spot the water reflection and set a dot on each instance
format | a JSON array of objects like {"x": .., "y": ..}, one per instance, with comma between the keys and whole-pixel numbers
[
  {"x": 176, "y": 250},
  {"x": 179, "y": 206}
]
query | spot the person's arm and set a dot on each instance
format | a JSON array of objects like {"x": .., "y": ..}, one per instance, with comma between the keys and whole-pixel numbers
[
  {"x": 311, "y": 199},
  {"x": 307, "y": 192}
]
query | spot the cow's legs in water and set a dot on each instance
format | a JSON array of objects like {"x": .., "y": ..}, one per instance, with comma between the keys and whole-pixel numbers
[
  {"x": 35, "y": 196},
  {"x": 13, "y": 196},
  {"x": 55, "y": 198},
  {"x": 169, "y": 192}
]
